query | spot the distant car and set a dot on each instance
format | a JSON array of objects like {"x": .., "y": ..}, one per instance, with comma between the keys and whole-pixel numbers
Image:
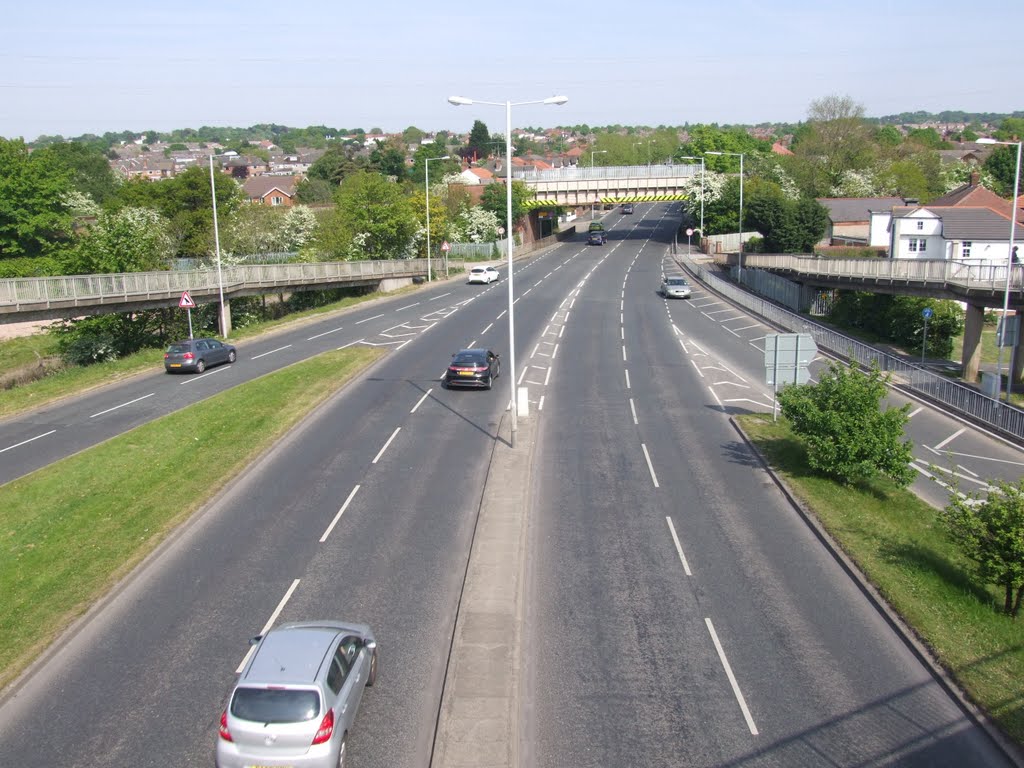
[
  {"x": 483, "y": 275},
  {"x": 297, "y": 696},
  {"x": 596, "y": 226},
  {"x": 627, "y": 208},
  {"x": 472, "y": 368},
  {"x": 596, "y": 238},
  {"x": 675, "y": 288},
  {"x": 197, "y": 355}
]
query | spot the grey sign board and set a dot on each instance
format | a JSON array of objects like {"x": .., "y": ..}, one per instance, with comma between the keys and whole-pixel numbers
[{"x": 786, "y": 357}]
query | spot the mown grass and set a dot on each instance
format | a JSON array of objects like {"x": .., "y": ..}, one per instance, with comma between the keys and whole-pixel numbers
[
  {"x": 73, "y": 529},
  {"x": 898, "y": 542}
]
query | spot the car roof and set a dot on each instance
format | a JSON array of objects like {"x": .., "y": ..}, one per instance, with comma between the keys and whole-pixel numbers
[
  {"x": 476, "y": 269},
  {"x": 472, "y": 352},
  {"x": 291, "y": 654}
]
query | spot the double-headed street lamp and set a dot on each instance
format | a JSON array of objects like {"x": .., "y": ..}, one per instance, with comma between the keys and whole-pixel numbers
[
  {"x": 426, "y": 165},
  {"x": 460, "y": 101},
  {"x": 740, "y": 156},
  {"x": 689, "y": 157},
  {"x": 1009, "y": 271}
]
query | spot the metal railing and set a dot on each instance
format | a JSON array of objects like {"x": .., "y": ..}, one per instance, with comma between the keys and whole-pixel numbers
[
  {"x": 962, "y": 273},
  {"x": 994, "y": 413},
  {"x": 34, "y": 292}
]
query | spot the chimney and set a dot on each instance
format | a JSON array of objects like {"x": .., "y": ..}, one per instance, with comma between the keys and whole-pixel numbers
[{"x": 975, "y": 178}]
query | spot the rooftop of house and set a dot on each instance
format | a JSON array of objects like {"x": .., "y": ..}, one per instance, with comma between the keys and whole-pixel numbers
[
  {"x": 847, "y": 210},
  {"x": 962, "y": 223},
  {"x": 258, "y": 187}
]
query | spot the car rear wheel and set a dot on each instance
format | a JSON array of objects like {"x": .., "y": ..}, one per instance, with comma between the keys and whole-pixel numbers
[
  {"x": 490, "y": 381},
  {"x": 200, "y": 366},
  {"x": 232, "y": 356}
]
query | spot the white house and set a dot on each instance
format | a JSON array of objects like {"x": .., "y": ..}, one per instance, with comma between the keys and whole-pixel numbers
[{"x": 976, "y": 235}]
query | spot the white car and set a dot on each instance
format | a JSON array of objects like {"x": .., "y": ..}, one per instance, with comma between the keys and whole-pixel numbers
[{"x": 483, "y": 275}]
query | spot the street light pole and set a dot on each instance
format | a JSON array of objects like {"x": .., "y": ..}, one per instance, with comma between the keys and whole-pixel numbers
[
  {"x": 462, "y": 101},
  {"x": 1009, "y": 272},
  {"x": 740, "y": 249},
  {"x": 216, "y": 242},
  {"x": 595, "y": 152},
  {"x": 426, "y": 165},
  {"x": 688, "y": 157}
]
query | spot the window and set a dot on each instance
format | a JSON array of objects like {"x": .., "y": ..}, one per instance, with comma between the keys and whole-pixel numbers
[
  {"x": 965, "y": 249},
  {"x": 917, "y": 245},
  {"x": 276, "y": 200},
  {"x": 339, "y": 669},
  {"x": 920, "y": 226}
]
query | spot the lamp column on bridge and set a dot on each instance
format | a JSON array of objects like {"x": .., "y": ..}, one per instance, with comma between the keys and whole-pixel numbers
[
  {"x": 1016, "y": 362},
  {"x": 225, "y": 307},
  {"x": 426, "y": 166},
  {"x": 688, "y": 157},
  {"x": 595, "y": 152}
]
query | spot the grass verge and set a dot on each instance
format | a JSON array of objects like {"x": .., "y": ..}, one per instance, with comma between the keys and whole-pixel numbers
[
  {"x": 898, "y": 542},
  {"x": 73, "y": 529}
]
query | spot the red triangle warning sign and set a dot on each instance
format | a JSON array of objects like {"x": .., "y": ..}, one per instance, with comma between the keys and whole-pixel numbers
[{"x": 185, "y": 302}]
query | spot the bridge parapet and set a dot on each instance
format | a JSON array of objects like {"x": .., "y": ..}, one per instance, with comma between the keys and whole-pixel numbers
[{"x": 588, "y": 186}]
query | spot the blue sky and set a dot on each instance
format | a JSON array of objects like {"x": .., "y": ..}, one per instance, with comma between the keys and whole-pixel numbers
[{"x": 73, "y": 68}]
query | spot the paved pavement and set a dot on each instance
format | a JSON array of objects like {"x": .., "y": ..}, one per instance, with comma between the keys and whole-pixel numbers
[{"x": 478, "y": 721}]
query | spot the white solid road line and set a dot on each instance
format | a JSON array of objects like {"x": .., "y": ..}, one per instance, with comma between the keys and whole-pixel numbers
[
  {"x": 122, "y": 405},
  {"x": 337, "y": 517},
  {"x": 26, "y": 442},
  {"x": 381, "y": 451},
  {"x": 951, "y": 438},
  {"x": 650, "y": 467},
  {"x": 264, "y": 354},
  {"x": 679, "y": 548},
  {"x": 732, "y": 678},
  {"x": 408, "y": 306},
  {"x": 270, "y": 623}
]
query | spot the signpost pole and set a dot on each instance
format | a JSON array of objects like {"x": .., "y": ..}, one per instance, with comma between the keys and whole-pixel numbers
[
  {"x": 189, "y": 310},
  {"x": 925, "y": 313}
]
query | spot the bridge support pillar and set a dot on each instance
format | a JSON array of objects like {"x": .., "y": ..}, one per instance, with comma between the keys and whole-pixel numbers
[
  {"x": 226, "y": 330},
  {"x": 971, "y": 357}
]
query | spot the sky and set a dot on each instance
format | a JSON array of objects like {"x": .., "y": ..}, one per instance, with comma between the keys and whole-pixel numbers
[{"x": 71, "y": 68}]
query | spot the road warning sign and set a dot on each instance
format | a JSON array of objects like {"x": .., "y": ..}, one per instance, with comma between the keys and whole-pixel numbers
[{"x": 185, "y": 302}]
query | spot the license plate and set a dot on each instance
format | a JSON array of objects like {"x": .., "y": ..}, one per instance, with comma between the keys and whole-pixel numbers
[
  {"x": 175, "y": 365},
  {"x": 465, "y": 373}
]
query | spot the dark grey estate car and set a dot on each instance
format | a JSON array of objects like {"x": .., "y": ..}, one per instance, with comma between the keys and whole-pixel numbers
[
  {"x": 297, "y": 696},
  {"x": 197, "y": 355}
]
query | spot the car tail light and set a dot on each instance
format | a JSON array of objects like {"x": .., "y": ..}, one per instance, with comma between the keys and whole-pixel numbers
[
  {"x": 166, "y": 355},
  {"x": 223, "y": 730},
  {"x": 188, "y": 355},
  {"x": 323, "y": 733}
]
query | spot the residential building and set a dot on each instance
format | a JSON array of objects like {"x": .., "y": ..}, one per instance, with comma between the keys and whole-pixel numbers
[
  {"x": 271, "y": 190},
  {"x": 975, "y": 235},
  {"x": 849, "y": 220}
]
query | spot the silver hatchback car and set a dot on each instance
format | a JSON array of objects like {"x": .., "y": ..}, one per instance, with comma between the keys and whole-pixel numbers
[
  {"x": 675, "y": 288},
  {"x": 297, "y": 696}
]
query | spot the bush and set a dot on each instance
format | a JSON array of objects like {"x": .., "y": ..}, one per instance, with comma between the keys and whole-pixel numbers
[{"x": 848, "y": 436}]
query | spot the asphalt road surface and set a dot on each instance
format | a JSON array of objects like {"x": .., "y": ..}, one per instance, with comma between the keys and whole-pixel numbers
[{"x": 680, "y": 612}]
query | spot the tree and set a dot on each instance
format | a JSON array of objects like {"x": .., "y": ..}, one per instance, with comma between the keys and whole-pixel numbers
[
  {"x": 33, "y": 217},
  {"x": 339, "y": 161},
  {"x": 837, "y": 139},
  {"x": 90, "y": 172},
  {"x": 495, "y": 199},
  {"x": 478, "y": 145},
  {"x": 312, "y": 191},
  {"x": 991, "y": 533},
  {"x": 372, "y": 220},
  {"x": 125, "y": 240},
  {"x": 1002, "y": 165},
  {"x": 412, "y": 135},
  {"x": 848, "y": 436},
  {"x": 388, "y": 158}
]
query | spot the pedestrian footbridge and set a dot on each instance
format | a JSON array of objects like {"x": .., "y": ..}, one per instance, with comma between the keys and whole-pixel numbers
[{"x": 575, "y": 186}]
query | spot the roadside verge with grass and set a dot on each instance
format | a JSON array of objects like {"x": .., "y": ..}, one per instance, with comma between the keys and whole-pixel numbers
[
  {"x": 74, "y": 528},
  {"x": 898, "y": 542}
]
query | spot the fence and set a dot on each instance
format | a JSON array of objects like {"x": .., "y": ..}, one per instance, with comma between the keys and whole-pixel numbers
[
  {"x": 991, "y": 412},
  {"x": 479, "y": 251}
]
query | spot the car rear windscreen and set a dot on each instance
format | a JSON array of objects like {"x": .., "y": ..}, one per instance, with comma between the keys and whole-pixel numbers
[
  {"x": 468, "y": 360},
  {"x": 676, "y": 281},
  {"x": 178, "y": 349},
  {"x": 275, "y": 705}
]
